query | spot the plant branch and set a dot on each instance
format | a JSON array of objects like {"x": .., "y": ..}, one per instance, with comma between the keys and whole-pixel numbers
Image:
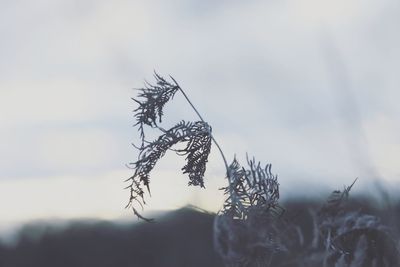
[{"x": 212, "y": 137}]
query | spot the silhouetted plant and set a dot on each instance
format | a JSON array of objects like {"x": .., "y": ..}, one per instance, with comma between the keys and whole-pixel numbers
[
  {"x": 250, "y": 189},
  {"x": 196, "y": 135},
  {"x": 252, "y": 229},
  {"x": 152, "y": 100}
]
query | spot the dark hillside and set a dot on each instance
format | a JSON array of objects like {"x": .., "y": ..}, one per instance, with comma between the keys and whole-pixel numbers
[{"x": 182, "y": 238}]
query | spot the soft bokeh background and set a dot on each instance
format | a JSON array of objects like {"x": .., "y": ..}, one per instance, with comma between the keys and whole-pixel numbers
[{"x": 310, "y": 86}]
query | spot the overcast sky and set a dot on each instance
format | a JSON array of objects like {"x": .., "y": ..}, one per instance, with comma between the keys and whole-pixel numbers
[{"x": 310, "y": 86}]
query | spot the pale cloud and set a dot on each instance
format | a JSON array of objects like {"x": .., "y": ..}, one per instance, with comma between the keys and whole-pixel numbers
[
  {"x": 32, "y": 102},
  {"x": 63, "y": 197},
  {"x": 66, "y": 149}
]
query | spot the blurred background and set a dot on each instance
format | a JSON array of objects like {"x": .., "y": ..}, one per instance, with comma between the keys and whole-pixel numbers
[{"x": 310, "y": 86}]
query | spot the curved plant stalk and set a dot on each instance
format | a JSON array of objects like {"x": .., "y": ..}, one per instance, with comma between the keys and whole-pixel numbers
[
  {"x": 228, "y": 170},
  {"x": 197, "y": 136},
  {"x": 201, "y": 118}
]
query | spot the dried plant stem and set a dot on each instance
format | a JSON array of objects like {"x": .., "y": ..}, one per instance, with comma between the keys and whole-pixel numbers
[{"x": 212, "y": 137}]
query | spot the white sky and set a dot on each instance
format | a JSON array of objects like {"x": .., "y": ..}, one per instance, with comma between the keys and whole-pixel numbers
[{"x": 309, "y": 85}]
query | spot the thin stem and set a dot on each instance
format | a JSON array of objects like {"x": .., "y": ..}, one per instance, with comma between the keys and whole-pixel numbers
[{"x": 212, "y": 137}]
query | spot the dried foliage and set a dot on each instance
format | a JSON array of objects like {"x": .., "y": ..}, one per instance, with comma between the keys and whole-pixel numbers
[
  {"x": 196, "y": 136},
  {"x": 151, "y": 100},
  {"x": 353, "y": 238},
  {"x": 335, "y": 204},
  {"x": 250, "y": 229},
  {"x": 251, "y": 190},
  {"x": 248, "y": 243}
]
